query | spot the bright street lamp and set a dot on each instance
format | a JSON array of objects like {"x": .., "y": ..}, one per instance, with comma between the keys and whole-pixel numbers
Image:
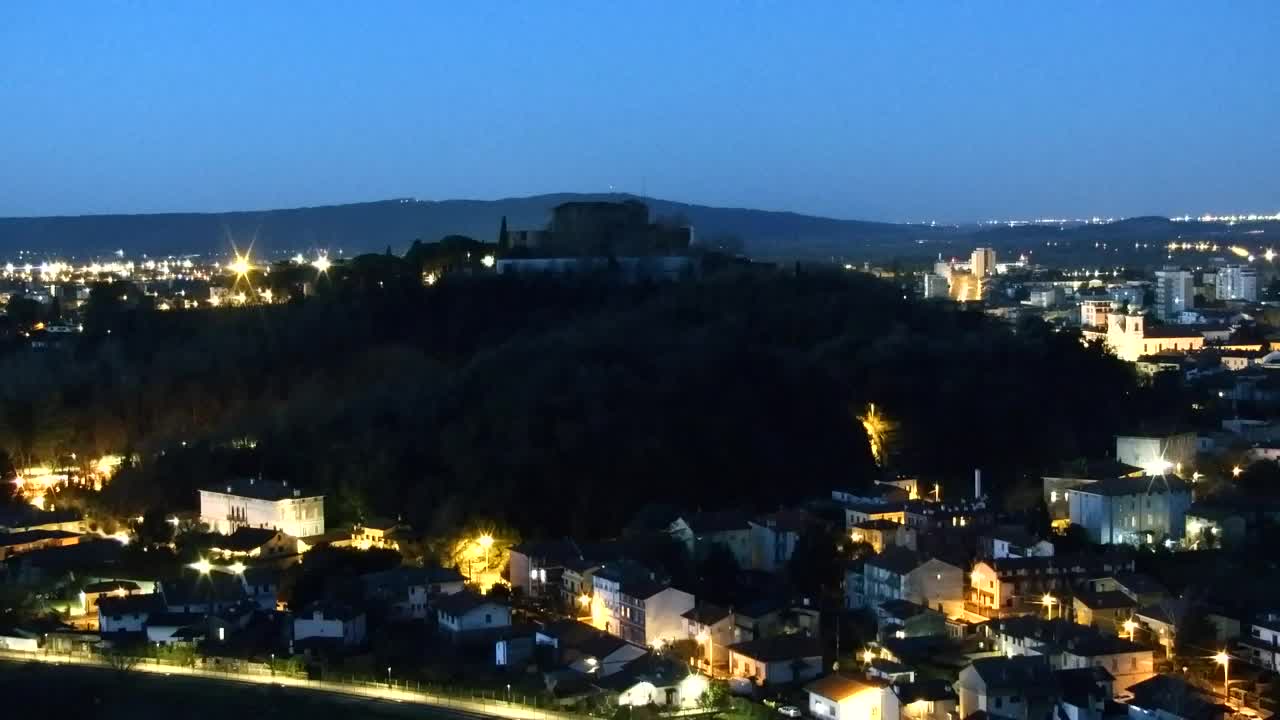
[
  {"x": 237, "y": 568},
  {"x": 201, "y": 566},
  {"x": 1223, "y": 659},
  {"x": 1048, "y": 601},
  {"x": 1130, "y": 627},
  {"x": 1235, "y": 471}
]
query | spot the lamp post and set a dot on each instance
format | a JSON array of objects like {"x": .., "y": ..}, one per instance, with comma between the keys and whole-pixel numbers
[
  {"x": 1223, "y": 659},
  {"x": 203, "y": 568},
  {"x": 1130, "y": 626},
  {"x": 1048, "y": 602},
  {"x": 486, "y": 542},
  {"x": 388, "y": 677}
]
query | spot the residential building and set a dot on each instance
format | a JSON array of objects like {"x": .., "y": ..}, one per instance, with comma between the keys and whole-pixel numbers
[
  {"x": 332, "y": 622},
  {"x": 903, "y": 619},
  {"x": 1067, "y": 645},
  {"x": 1237, "y": 282},
  {"x": 774, "y": 538},
  {"x": 729, "y": 529},
  {"x": 778, "y": 660},
  {"x": 257, "y": 503},
  {"x": 466, "y": 612},
  {"x": 126, "y": 614},
  {"x": 936, "y": 286},
  {"x": 409, "y": 591},
  {"x": 587, "y": 650},
  {"x": 16, "y": 543},
  {"x": 1169, "y": 697},
  {"x": 262, "y": 587},
  {"x": 1132, "y": 511},
  {"x": 880, "y": 534},
  {"x": 1158, "y": 625},
  {"x": 1106, "y": 611},
  {"x": 711, "y": 626},
  {"x": 901, "y": 574},
  {"x": 636, "y": 608},
  {"x": 1156, "y": 452},
  {"x": 93, "y": 592},
  {"x": 773, "y": 614},
  {"x": 536, "y": 566},
  {"x": 1076, "y": 474},
  {"x": 1262, "y": 645},
  {"x": 193, "y": 592},
  {"x": 998, "y": 588},
  {"x": 844, "y": 697},
  {"x": 576, "y": 584},
  {"x": 1094, "y": 312},
  {"x": 654, "y": 681},
  {"x": 1130, "y": 337},
  {"x": 933, "y": 699},
  {"x": 378, "y": 533},
  {"x": 1013, "y": 542},
  {"x": 1084, "y": 693},
  {"x": 1017, "y": 688},
  {"x": 254, "y": 542},
  {"x": 168, "y": 628},
  {"x": 983, "y": 262},
  {"x": 1175, "y": 292}
]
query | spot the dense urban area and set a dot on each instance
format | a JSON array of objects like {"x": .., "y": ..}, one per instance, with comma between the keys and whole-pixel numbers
[{"x": 602, "y": 469}]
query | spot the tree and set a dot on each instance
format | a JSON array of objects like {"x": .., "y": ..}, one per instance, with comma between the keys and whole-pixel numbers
[
  {"x": 717, "y": 574},
  {"x": 504, "y": 240},
  {"x": 715, "y": 697},
  {"x": 155, "y": 528},
  {"x": 1074, "y": 539},
  {"x": 815, "y": 563}
]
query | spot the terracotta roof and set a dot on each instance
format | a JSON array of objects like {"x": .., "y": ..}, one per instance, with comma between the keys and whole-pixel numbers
[{"x": 839, "y": 688}]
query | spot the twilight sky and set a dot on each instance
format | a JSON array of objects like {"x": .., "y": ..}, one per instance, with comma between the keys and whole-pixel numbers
[{"x": 880, "y": 110}]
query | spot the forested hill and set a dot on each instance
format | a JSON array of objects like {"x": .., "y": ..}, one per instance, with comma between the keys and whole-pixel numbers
[
  {"x": 563, "y": 407},
  {"x": 373, "y": 226}
]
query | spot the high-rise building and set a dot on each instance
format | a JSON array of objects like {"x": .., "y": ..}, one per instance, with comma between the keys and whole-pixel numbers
[
  {"x": 1237, "y": 282},
  {"x": 1094, "y": 312},
  {"x": 936, "y": 286},
  {"x": 983, "y": 262},
  {"x": 1175, "y": 292}
]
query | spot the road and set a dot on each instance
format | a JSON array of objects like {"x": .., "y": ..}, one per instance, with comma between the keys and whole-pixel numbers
[{"x": 387, "y": 699}]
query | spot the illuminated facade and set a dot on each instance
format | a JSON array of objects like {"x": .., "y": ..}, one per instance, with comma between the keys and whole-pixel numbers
[{"x": 255, "y": 503}]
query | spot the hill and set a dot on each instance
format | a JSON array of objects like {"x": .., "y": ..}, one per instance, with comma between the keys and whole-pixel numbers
[{"x": 373, "y": 226}]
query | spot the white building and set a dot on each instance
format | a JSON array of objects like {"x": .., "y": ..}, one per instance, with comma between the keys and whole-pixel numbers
[
  {"x": 641, "y": 611},
  {"x": 469, "y": 612},
  {"x": 126, "y": 614},
  {"x": 1237, "y": 282},
  {"x": 256, "y": 503},
  {"x": 320, "y": 620},
  {"x": 936, "y": 286},
  {"x": 1262, "y": 645},
  {"x": 1131, "y": 510},
  {"x": 1175, "y": 292},
  {"x": 840, "y": 697}
]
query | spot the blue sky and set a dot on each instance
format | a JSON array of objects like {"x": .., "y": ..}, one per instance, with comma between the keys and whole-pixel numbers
[{"x": 882, "y": 110}]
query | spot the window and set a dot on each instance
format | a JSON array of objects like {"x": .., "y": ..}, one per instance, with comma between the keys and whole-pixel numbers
[{"x": 999, "y": 702}]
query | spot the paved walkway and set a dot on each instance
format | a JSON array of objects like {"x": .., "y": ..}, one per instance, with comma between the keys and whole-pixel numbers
[{"x": 457, "y": 706}]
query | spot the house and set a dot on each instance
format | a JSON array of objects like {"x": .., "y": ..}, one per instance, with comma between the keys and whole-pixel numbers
[
  {"x": 1262, "y": 645},
  {"x": 654, "y": 681},
  {"x": 193, "y": 592},
  {"x": 1106, "y": 611},
  {"x": 1168, "y": 697},
  {"x": 576, "y": 584},
  {"x": 774, "y": 538},
  {"x": 774, "y": 614},
  {"x": 262, "y": 586},
  {"x": 1159, "y": 626},
  {"x": 844, "y": 697},
  {"x": 257, "y": 503},
  {"x": 903, "y": 618},
  {"x": 166, "y": 628},
  {"x": 251, "y": 542},
  {"x": 880, "y": 534},
  {"x": 409, "y": 591},
  {"x": 128, "y": 613},
  {"x": 377, "y": 533},
  {"x": 1157, "y": 451},
  {"x": 93, "y": 592},
  {"x": 995, "y": 585},
  {"x": 1075, "y": 474},
  {"x": 584, "y": 649},
  {"x": 730, "y": 529},
  {"x": 19, "y": 640},
  {"x": 16, "y": 543},
  {"x": 340, "y": 624},
  {"x": 638, "y": 608},
  {"x": 339, "y": 537},
  {"x": 1132, "y": 510},
  {"x": 1067, "y": 645},
  {"x": 901, "y": 574},
  {"x": 468, "y": 613},
  {"x": 1018, "y": 688},
  {"x": 711, "y": 626},
  {"x": 536, "y": 567},
  {"x": 927, "y": 700},
  {"x": 1083, "y": 693},
  {"x": 1211, "y": 525},
  {"x": 1013, "y": 542},
  {"x": 907, "y": 513},
  {"x": 777, "y": 660}
]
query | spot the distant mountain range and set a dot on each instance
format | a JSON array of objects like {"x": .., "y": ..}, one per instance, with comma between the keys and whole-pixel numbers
[{"x": 373, "y": 226}]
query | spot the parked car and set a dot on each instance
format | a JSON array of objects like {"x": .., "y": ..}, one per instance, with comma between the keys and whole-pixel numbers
[{"x": 790, "y": 711}]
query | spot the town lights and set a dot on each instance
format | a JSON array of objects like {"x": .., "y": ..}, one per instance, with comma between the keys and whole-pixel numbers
[
  {"x": 240, "y": 266},
  {"x": 201, "y": 566},
  {"x": 1048, "y": 601},
  {"x": 1130, "y": 626},
  {"x": 237, "y": 568},
  {"x": 1235, "y": 471},
  {"x": 321, "y": 263},
  {"x": 487, "y": 261},
  {"x": 1223, "y": 659}
]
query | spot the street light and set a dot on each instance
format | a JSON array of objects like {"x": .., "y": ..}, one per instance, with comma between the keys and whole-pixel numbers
[
  {"x": 237, "y": 568},
  {"x": 704, "y": 638},
  {"x": 486, "y": 542},
  {"x": 388, "y": 677},
  {"x": 1223, "y": 659},
  {"x": 1048, "y": 602},
  {"x": 201, "y": 566},
  {"x": 1235, "y": 471},
  {"x": 1130, "y": 626}
]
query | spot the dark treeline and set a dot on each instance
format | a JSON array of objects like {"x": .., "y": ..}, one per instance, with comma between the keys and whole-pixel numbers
[{"x": 562, "y": 407}]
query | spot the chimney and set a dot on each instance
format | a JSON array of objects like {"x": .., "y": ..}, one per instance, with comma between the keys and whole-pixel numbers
[{"x": 977, "y": 483}]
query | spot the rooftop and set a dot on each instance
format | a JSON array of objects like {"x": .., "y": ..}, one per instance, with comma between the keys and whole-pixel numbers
[
  {"x": 259, "y": 489},
  {"x": 896, "y": 560},
  {"x": 461, "y": 603},
  {"x": 780, "y": 647},
  {"x": 244, "y": 539},
  {"x": 30, "y": 536},
  {"x": 1020, "y": 674},
  {"x": 706, "y": 614},
  {"x": 1110, "y": 600},
  {"x": 838, "y": 688},
  {"x": 1119, "y": 487}
]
